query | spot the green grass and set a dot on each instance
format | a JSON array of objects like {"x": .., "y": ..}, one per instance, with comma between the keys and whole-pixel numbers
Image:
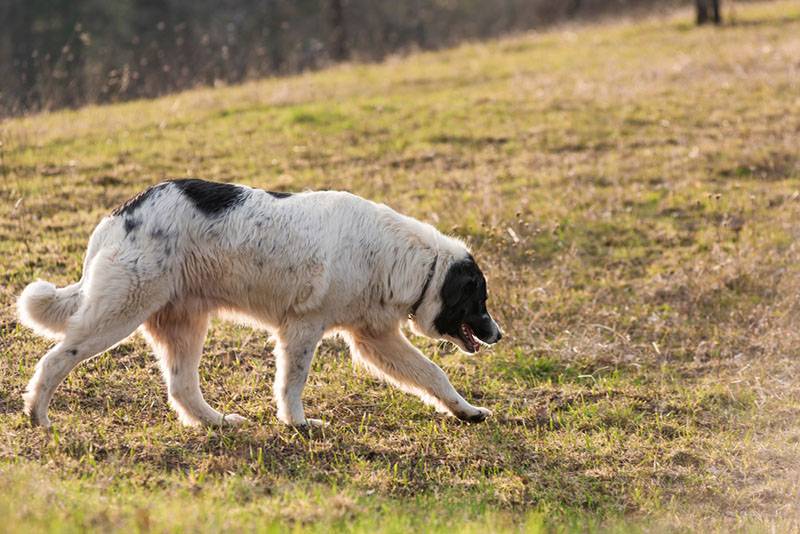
[{"x": 632, "y": 191}]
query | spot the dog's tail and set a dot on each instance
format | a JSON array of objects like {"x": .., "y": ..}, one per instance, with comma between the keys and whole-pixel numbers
[{"x": 45, "y": 308}]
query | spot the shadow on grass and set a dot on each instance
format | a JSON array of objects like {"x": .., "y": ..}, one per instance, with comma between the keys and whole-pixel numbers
[{"x": 10, "y": 402}]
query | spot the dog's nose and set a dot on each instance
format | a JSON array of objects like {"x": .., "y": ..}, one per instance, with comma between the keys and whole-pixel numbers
[{"x": 498, "y": 337}]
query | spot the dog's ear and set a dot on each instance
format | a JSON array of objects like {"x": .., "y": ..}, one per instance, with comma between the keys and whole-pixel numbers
[{"x": 458, "y": 284}]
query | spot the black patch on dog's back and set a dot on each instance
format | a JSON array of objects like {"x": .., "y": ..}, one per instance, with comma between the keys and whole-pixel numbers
[
  {"x": 130, "y": 205},
  {"x": 211, "y": 198},
  {"x": 131, "y": 224},
  {"x": 279, "y": 194}
]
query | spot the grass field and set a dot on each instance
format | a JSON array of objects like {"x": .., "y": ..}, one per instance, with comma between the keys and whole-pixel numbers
[{"x": 631, "y": 189}]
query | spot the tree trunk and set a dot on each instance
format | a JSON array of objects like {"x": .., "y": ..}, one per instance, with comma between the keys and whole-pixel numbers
[
  {"x": 72, "y": 57},
  {"x": 338, "y": 32},
  {"x": 708, "y": 10},
  {"x": 573, "y": 7},
  {"x": 702, "y": 12},
  {"x": 20, "y": 26}
]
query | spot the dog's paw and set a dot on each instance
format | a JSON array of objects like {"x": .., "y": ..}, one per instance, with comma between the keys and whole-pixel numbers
[
  {"x": 39, "y": 420},
  {"x": 316, "y": 423},
  {"x": 480, "y": 414},
  {"x": 35, "y": 415},
  {"x": 233, "y": 419},
  {"x": 309, "y": 424}
]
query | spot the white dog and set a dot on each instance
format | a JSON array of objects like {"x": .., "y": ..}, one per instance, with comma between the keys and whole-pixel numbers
[{"x": 301, "y": 265}]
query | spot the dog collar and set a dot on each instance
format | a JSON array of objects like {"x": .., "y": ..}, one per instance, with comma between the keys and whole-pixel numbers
[{"x": 425, "y": 287}]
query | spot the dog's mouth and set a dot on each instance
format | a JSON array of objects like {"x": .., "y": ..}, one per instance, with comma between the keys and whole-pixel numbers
[{"x": 466, "y": 334}]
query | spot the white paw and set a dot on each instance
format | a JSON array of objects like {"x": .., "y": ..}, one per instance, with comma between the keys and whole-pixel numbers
[
  {"x": 484, "y": 412},
  {"x": 309, "y": 423},
  {"x": 40, "y": 420},
  {"x": 316, "y": 423},
  {"x": 233, "y": 419},
  {"x": 477, "y": 415},
  {"x": 35, "y": 415}
]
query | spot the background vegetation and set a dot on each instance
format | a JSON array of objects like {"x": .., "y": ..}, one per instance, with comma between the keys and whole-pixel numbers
[
  {"x": 631, "y": 190},
  {"x": 57, "y": 53}
]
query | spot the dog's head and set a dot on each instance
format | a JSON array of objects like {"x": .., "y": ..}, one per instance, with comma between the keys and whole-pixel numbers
[{"x": 459, "y": 314}]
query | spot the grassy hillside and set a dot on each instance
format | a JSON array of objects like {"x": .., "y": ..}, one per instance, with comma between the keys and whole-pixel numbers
[{"x": 632, "y": 191}]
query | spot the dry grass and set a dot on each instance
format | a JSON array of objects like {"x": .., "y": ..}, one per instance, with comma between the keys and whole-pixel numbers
[{"x": 632, "y": 191}]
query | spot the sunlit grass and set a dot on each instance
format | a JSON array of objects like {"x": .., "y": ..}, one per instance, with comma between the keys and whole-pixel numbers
[{"x": 632, "y": 191}]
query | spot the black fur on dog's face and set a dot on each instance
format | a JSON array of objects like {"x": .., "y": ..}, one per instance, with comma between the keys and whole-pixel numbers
[{"x": 463, "y": 318}]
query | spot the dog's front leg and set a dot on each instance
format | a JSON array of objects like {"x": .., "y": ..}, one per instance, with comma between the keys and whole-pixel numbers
[
  {"x": 392, "y": 357},
  {"x": 294, "y": 351}
]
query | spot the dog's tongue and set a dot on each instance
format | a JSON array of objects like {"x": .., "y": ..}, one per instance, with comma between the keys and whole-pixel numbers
[{"x": 470, "y": 335}]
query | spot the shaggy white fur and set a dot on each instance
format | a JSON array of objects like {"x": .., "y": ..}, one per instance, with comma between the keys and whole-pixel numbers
[{"x": 303, "y": 266}]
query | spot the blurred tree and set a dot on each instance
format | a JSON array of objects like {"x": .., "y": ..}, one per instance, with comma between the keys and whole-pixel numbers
[
  {"x": 69, "y": 65},
  {"x": 22, "y": 77},
  {"x": 707, "y": 9},
  {"x": 573, "y": 7},
  {"x": 338, "y": 31},
  {"x": 56, "y": 53}
]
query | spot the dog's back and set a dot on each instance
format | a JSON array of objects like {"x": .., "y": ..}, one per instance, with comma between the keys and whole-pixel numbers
[{"x": 264, "y": 251}]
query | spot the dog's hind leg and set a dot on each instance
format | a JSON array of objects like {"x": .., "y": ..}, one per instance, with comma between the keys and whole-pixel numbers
[
  {"x": 392, "y": 357},
  {"x": 176, "y": 334},
  {"x": 79, "y": 344},
  {"x": 113, "y": 307},
  {"x": 294, "y": 352}
]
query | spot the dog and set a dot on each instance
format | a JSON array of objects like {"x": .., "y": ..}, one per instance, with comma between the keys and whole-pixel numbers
[{"x": 302, "y": 265}]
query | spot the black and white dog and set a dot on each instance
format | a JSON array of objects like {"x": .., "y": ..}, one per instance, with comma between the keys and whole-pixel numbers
[{"x": 302, "y": 265}]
